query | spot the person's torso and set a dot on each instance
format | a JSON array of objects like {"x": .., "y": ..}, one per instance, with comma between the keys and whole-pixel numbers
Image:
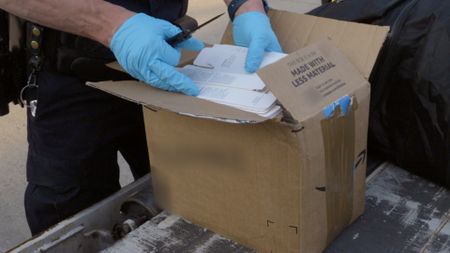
[
  {"x": 163, "y": 9},
  {"x": 62, "y": 49}
]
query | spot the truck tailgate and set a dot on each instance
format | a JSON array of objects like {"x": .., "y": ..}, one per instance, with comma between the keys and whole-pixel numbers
[{"x": 404, "y": 213}]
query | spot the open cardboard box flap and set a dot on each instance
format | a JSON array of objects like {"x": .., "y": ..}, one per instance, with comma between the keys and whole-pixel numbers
[
  {"x": 310, "y": 79},
  {"x": 360, "y": 43},
  {"x": 158, "y": 99}
]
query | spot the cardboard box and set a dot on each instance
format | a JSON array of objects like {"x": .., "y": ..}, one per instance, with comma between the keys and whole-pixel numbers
[{"x": 289, "y": 184}]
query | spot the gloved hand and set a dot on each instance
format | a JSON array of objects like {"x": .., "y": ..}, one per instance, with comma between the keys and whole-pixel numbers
[
  {"x": 253, "y": 30},
  {"x": 141, "y": 49}
]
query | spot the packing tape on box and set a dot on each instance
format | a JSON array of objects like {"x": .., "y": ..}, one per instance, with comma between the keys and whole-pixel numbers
[
  {"x": 338, "y": 131},
  {"x": 343, "y": 103}
]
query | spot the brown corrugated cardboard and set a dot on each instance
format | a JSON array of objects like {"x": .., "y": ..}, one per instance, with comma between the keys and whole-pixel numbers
[
  {"x": 316, "y": 76},
  {"x": 157, "y": 99},
  {"x": 359, "y": 42},
  {"x": 285, "y": 185}
]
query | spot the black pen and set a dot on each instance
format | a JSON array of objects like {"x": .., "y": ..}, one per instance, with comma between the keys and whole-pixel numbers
[{"x": 188, "y": 26}]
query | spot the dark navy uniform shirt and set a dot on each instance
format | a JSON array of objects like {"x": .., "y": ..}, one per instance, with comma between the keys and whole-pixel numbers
[{"x": 164, "y": 9}]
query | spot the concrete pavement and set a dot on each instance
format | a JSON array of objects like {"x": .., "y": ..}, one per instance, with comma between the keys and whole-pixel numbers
[{"x": 13, "y": 145}]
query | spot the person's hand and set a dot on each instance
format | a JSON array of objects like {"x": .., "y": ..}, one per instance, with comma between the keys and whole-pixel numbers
[
  {"x": 141, "y": 49},
  {"x": 253, "y": 30}
]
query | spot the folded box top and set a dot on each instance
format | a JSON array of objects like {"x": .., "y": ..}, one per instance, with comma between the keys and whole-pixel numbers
[
  {"x": 312, "y": 78},
  {"x": 329, "y": 73}
]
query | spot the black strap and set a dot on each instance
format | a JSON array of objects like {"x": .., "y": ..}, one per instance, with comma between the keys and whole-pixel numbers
[
  {"x": 34, "y": 45},
  {"x": 236, "y": 4},
  {"x": 34, "y": 42}
]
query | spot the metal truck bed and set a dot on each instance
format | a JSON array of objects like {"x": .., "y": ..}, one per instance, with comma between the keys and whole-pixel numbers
[{"x": 404, "y": 213}]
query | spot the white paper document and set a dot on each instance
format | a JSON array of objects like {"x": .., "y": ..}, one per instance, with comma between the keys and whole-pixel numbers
[
  {"x": 231, "y": 59},
  {"x": 257, "y": 102},
  {"x": 204, "y": 76},
  {"x": 219, "y": 72}
]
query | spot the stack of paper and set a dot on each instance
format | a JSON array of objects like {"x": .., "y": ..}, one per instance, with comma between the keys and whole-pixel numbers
[{"x": 219, "y": 72}]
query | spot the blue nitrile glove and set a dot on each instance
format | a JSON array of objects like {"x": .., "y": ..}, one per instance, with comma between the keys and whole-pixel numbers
[
  {"x": 253, "y": 30},
  {"x": 141, "y": 49}
]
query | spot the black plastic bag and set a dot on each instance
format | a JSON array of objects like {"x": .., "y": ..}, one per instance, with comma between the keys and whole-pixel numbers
[{"x": 410, "y": 108}]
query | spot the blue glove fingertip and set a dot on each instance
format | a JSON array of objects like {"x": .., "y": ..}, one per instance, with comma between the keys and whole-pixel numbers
[
  {"x": 190, "y": 88},
  {"x": 169, "y": 54},
  {"x": 194, "y": 91},
  {"x": 191, "y": 44},
  {"x": 252, "y": 64},
  {"x": 251, "y": 67},
  {"x": 275, "y": 47},
  {"x": 255, "y": 55},
  {"x": 253, "y": 30}
]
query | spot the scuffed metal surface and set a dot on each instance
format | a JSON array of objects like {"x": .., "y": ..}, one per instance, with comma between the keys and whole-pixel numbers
[
  {"x": 441, "y": 242},
  {"x": 170, "y": 233},
  {"x": 404, "y": 214}
]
